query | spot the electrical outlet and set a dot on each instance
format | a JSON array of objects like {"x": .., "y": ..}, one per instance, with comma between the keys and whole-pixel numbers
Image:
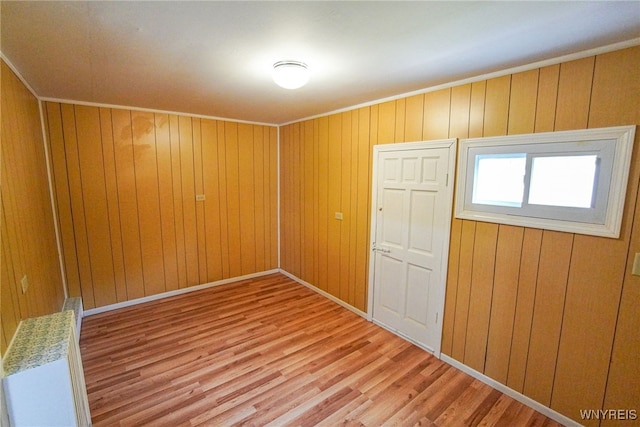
[
  {"x": 200, "y": 198},
  {"x": 338, "y": 215},
  {"x": 25, "y": 284}
]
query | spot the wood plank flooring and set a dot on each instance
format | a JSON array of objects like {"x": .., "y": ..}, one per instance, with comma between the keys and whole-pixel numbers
[{"x": 269, "y": 351}]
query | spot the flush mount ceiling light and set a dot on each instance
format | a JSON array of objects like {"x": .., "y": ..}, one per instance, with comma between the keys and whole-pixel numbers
[{"x": 290, "y": 74}]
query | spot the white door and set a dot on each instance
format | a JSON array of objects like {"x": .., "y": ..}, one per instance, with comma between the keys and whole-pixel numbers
[{"x": 411, "y": 219}]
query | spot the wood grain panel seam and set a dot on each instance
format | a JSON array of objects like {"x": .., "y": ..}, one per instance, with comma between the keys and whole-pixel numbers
[
  {"x": 173, "y": 196},
  {"x": 564, "y": 305},
  {"x": 53, "y": 175},
  {"x": 466, "y": 324},
  {"x": 535, "y": 110},
  {"x": 117, "y": 209},
  {"x": 555, "y": 112},
  {"x": 84, "y": 209},
  {"x": 198, "y": 218},
  {"x": 509, "y": 103},
  {"x": 162, "y": 232},
  {"x": 593, "y": 75},
  {"x": 135, "y": 193},
  {"x": 533, "y": 309},
  {"x": 515, "y": 306},
  {"x": 106, "y": 192},
  {"x": 493, "y": 283}
]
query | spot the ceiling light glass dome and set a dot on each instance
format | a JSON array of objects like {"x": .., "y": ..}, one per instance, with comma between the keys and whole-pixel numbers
[{"x": 290, "y": 74}]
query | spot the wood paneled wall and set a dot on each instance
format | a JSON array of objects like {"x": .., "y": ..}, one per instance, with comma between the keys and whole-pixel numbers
[
  {"x": 125, "y": 192},
  {"x": 551, "y": 315},
  {"x": 28, "y": 241}
]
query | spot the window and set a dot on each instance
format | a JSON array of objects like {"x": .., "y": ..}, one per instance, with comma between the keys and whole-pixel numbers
[{"x": 571, "y": 181}]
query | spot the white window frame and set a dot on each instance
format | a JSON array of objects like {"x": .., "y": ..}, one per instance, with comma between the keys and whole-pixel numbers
[{"x": 613, "y": 146}]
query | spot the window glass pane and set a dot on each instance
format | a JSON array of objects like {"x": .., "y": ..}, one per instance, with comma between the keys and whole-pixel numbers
[
  {"x": 499, "y": 179},
  {"x": 563, "y": 181}
]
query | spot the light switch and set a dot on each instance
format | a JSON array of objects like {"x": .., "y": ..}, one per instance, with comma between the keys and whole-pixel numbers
[
  {"x": 636, "y": 265},
  {"x": 339, "y": 215}
]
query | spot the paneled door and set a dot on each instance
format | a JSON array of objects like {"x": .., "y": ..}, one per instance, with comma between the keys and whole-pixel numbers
[{"x": 411, "y": 220}]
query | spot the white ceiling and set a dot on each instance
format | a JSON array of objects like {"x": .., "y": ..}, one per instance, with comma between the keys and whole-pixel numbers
[{"x": 215, "y": 58}]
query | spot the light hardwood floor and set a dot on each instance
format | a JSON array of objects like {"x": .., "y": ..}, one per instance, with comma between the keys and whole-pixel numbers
[{"x": 269, "y": 351}]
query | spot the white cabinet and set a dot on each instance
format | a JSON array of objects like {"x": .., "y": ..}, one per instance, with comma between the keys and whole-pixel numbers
[{"x": 44, "y": 381}]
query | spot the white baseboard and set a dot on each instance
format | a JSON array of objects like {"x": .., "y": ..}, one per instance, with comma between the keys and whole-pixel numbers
[
  {"x": 510, "y": 392},
  {"x": 142, "y": 300},
  {"x": 325, "y": 294}
]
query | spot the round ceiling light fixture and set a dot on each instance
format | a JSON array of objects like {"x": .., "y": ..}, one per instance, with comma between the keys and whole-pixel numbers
[{"x": 290, "y": 74}]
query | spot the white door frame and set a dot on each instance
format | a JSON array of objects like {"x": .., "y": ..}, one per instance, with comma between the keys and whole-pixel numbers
[{"x": 420, "y": 145}]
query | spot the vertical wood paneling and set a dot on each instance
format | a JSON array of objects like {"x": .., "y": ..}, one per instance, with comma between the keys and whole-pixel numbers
[
  {"x": 146, "y": 171},
  {"x": 476, "y": 109},
  {"x": 222, "y": 187},
  {"x": 503, "y": 304},
  {"x": 95, "y": 201},
  {"x": 386, "y": 123},
  {"x": 465, "y": 266},
  {"x": 451, "y": 293},
  {"x": 323, "y": 203},
  {"x": 127, "y": 202},
  {"x": 273, "y": 165},
  {"x": 62, "y": 197},
  {"x": 27, "y": 242},
  {"x": 522, "y": 104},
  {"x": 574, "y": 93},
  {"x": 211, "y": 188},
  {"x": 460, "y": 105},
  {"x": 523, "y": 318},
  {"x": 362, "y": 232},
  {"x": 308, "y": 213},
  {"x": 553, "y": 272},
  {"x": 186, "y": 127},
  {"x": 131, "y": 199},
  {"x": 334, "y": 202},
  {"x": 401, "y": 111},
  {"x": 353, "y": 200},
  {"x": 496, "y": 106},
  {"x": 345, "y": 207},
  {"x": 484, "y": 258},
  {"x": 258, "y": 197},
  {"x": 165, "y": 200},
  {"x": 547, "y": 98},
  {"x": 288, "y": 219},
  {"x": 295, "y": 205},
  {"x": 200, "y": 205},
  {"x": 436, "y": 114},
  {"x": 176, "y": 175},
  {"x": 414, "y": 118},
  {"x": 77, "y": 204},
  {"x": 111, "y": 188},
  {"x": 233, "y": 199},
  {"x": 246, "y": 210},
  {"x": 316, "y": 204}
]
